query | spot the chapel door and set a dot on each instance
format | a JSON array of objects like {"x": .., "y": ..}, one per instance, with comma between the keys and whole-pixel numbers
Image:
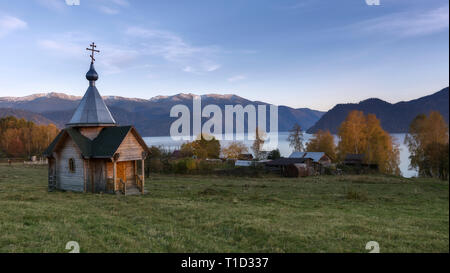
[
  {"x": 99, "y": 176},
  {"x": 121, "y": 171}
]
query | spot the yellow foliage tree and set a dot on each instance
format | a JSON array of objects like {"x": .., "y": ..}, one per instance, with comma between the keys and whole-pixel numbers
[
  {"x": 322, "y": 141},
  {"x": 352, "y": 135},
  {"x": 234, "y": 150},
  {"x": 427, "y": 141},
  {"x": 361, "y": 134}
]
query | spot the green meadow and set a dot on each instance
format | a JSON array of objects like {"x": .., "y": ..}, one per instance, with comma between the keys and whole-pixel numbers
[{"x": 227, "y": 214}]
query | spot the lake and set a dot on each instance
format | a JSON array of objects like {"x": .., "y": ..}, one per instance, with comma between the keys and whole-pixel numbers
[{"x": 283, "y": 145}]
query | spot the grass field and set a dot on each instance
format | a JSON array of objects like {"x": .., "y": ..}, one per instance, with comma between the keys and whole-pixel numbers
[{"x": 219, "y": 214}]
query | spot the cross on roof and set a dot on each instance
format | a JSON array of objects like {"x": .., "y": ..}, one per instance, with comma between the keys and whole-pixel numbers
[{"x": 93, "y": 46}]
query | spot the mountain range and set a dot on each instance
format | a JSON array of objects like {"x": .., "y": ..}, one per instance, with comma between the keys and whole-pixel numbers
[
  {"x": 151, "y": 117},
  {"x": 395, "y": 118}
]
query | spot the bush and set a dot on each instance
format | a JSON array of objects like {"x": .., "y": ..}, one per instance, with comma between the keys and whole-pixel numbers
[
  {"x": 205, "y": 167},
  {"x": 191, "y": 165},
  {"x": 155, "y": 165},
  {"x": 274, "y": 154}
]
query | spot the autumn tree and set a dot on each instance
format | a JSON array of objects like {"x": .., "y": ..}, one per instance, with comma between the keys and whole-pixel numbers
[
  {"x": 351, "y": 135},
  {"x": 234, "y": 150},
  {"x": 296, "y": 138},
  {"x": 427, "y": 140},
  {"x": 21, "y": 138},
  {"x": 360, "y": 134},
  {"x": 322, "y": 141},
  {"x": 203, "y": 147}
]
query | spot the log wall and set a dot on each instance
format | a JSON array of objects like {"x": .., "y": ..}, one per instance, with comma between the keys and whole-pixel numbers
[
  {"x": 65, "y": 179},
  {"x": 130, "y": 149}
]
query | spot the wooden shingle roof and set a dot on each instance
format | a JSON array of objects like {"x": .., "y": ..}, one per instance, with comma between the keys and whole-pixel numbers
[
  {"x": 92, "y": 110},
  {"x": 104, "y": 145},
  {"x": 286, "y": 161}
]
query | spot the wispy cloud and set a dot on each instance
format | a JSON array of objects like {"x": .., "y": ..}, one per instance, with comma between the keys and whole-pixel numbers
[
  {"x": 146, "y": 43},
  {"x": 237, "y": 78},
  {"x": 300, "y": 4},
  {"x": 10, "y": 24},
  {"x": 66, "y": 48},
  {"x": 112, "y": 7},
  {"x": 407, "y": 24},
  {"x": 123, "y": 3},
  {"x": 108, "y": 10},
  {"x": 57, "y": 5},
  {"x": 114, "y": 58},
  {"x": 173, "y": 48}
]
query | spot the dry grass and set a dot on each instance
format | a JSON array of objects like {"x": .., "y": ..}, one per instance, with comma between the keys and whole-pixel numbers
[{"x": 217, "y": 214}]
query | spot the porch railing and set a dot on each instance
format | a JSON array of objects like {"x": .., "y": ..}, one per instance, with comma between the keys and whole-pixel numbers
[
  {"x": 110, "y": 185},
  {"x": 122, "y": 186},
  {"x": 139, "y": 183}
]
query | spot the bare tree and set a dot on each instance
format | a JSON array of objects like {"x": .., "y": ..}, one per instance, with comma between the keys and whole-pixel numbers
[
  {"x": 296, "y": 138},
  {"x": 258, "y": 143}
]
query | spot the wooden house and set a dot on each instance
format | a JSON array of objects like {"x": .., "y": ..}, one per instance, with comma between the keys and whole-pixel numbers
[
  {"x": 94, "y": 154},
  {"x": 320, "y": 160},
  {"x": 291, "y": 167},
  {"x": 317, "y": 157},
  {"x": 358, "y": 162}
]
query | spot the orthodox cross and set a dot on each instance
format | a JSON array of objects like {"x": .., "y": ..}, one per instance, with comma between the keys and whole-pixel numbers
[{"x": 93, "y": 46}]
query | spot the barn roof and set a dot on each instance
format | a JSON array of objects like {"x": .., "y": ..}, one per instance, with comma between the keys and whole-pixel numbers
[
  {"x": 286, "y": 161},
  {"x": 354, "y": 157},
  {"x": 92, "y": 110},
  {"x": 104, "y": 145},
  {"x": 315, "y": 156}
]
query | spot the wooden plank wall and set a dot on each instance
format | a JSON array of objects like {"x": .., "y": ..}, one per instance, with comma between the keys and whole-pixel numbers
[
  {"x": 98, "y": 175},
  {"x": 129, "y": 171},
  {"x": 90, "y": 132},
  {"x": 130, "y": 149},
  {"x": 67, "y": 180}
]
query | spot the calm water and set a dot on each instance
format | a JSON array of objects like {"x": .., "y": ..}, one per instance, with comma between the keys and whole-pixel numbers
[{"x": 283, "y": 145}]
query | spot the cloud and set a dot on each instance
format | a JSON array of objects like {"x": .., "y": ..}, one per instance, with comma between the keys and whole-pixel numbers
[
  {"x": 139, "y": 44},
  {"x": 66, "y": 48},
  {"x": 112, "y": 7},
  {"x": 172, "y": 48},
  {"x": 237, "y": 78},
  {"x": 57, "y": 5},
  {"x": 407, "y": 24},
  {"x": 114, "y": 58},
  {"x": 123, "y": 3},
  {"x": 211, "y": 67},
  {"x": 108, "y": 10},
  {"x": 10, "y": 24}
]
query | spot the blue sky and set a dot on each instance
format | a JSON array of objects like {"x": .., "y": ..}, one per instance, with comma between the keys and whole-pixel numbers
[{"x": 300, "y": 53}]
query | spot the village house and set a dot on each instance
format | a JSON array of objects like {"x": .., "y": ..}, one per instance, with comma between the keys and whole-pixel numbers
[
  {"x": 317, "y": 157},
  {"x": 319, "y": 160},
  {"x": 358, "y": 162},
  {"x": 291, "y": 167},
  {"x": 94, "y": 154}
]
